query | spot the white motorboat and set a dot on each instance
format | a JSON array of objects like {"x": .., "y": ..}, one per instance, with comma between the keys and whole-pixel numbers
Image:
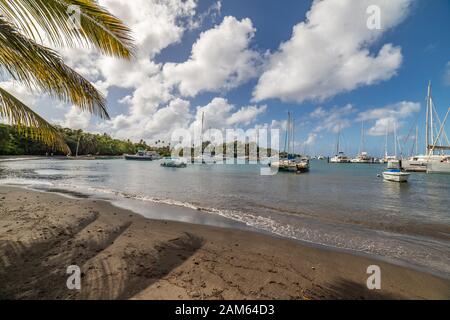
[
  {"x": 174, "y": 163},
  {"x": 396, "y": 175}
]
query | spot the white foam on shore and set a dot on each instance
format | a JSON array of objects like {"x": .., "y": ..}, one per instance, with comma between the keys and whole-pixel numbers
[
  {"x": 24, "y": 182},
  {"x": 18, "y": 159}
]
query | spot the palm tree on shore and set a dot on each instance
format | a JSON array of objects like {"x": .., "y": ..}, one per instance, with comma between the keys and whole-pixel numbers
[{"x": 25, "y": 25}]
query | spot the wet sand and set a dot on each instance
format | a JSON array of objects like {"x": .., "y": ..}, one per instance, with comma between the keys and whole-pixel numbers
[{"x": 125, "y": 256}]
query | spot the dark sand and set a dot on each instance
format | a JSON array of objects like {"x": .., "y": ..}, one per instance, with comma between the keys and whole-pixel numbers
[{"x": 125, "y": 256}]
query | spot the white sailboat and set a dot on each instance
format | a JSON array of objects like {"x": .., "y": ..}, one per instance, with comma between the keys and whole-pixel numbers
[
  {"x": 362, "y": 157},
  {"x": 203, "y": 158},
  {"x": 291, "y": 163},
  {"x": 340, "y": 157},
  {"x": 430, "y": 161}
]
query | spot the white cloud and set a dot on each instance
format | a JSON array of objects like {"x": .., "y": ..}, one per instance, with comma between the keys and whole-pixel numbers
[
  {"x": 246, "y": 115},
  {"x": 447, "y": 74},
  {"x": 220, "y": 60},
  {"x": 76, "y": 119},
  {"x": 19, "y": 91},
  {"x": 311, "y": 140},
  {"x": 218, "y": 114},
  {"x": 330, "y": 53},
  {"x": 386, "y": 117},
  {"x": 333, "y": 120}
]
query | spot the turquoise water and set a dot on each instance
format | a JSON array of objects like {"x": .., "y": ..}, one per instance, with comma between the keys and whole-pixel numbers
[{"x": 342, "y": 206}]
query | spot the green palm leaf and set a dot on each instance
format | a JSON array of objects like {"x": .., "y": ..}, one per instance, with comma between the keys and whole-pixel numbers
[
  {"x": 28, "y": 122},
  {"x": 51, "y": 19},
  {"x": 41, "y": 68}
]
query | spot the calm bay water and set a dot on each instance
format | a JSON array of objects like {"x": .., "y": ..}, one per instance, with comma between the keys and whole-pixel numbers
[{"x": 343, "y": 206}]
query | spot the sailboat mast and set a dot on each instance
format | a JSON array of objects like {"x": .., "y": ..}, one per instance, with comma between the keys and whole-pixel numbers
[
  {"x": 386, "y": 142},
  {"x": 361, "y": 143},
  {"x": 417, "y": 140},
  {"x": 201, "y": 133},
  {"x": 293, "y": 136},
  {"x": 395, "y": 139},
  {"x": 338, "y": 139},
  {"x": 427, "y": 124}
]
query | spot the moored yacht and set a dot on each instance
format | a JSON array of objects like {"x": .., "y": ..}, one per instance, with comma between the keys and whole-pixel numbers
[
  {"x": 142, "y": 155},
  {"x": 340, "y": 158},
  {"x": 362, "y": 157},
  {"x": 431, "y": 162}
]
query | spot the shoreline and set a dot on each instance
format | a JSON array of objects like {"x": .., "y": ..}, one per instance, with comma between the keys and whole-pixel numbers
[
  {"x": 219, "y": 221},
  {"x": 123, "y": 255}
]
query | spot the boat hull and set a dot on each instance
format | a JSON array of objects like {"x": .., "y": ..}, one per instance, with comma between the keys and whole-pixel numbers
[
  {"x": 138, "y": 158},
  {"x": 438, "y": 167},
  {"x": 396, "y": 176}
]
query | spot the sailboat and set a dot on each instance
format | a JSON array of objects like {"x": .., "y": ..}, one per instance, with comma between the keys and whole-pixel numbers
[
  {"x": 202, "y": 158},
  {"x": 363, "y": 157},
  {"x": 394, "y": 171},
  {"x": 291, "y": 163},
  {"x": 386, "y": 157},
  {"x": 340, "y": 157},
  {"x": 430, "y": 161}
]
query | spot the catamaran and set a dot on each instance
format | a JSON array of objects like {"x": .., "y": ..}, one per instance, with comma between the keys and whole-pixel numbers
[{"x": 431, "y": 162}]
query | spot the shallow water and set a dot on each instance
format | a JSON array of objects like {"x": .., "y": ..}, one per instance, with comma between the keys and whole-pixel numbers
[{"x": 344, "y": 206}]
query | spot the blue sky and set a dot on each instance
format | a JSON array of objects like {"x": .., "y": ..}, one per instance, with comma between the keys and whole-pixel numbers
[
  {"x": 159, "y": 92},
  {"x": 423, "y": 37}
]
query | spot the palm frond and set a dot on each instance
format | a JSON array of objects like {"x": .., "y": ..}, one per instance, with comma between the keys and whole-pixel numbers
[
  {"x": 39, "y": 67},
  {"x": 28, "y": 122},
  {"x": 52, "y": 19}
]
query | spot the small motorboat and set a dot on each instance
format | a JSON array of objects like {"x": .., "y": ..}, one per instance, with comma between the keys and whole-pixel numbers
[
  {"x": 174, "y": 163},
  {"x": 394, "y": 172},
  {"x": 396, "y": 175}
]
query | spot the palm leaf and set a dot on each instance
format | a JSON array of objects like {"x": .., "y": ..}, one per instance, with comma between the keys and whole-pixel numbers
[
  {"x": 28, "y": 122},
  {"x": 39, "y": 67},
  {"x": 51, "y": 19}
]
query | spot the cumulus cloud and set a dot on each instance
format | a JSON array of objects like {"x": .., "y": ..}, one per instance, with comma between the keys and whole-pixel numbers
[
  {"x": 20, "y": 91},
  {"x": 76, "y": 119},
  {"x": 177, "y": 114},
  {"x": 386, "y": 117},
  {"x": 333, "y": 120},
  {"x": 330, "y": 53},
  {"x": 220, "y": 59}
]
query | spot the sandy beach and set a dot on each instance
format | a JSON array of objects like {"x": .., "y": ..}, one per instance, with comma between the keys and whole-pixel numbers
[{"x": 125, "y": 256}]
